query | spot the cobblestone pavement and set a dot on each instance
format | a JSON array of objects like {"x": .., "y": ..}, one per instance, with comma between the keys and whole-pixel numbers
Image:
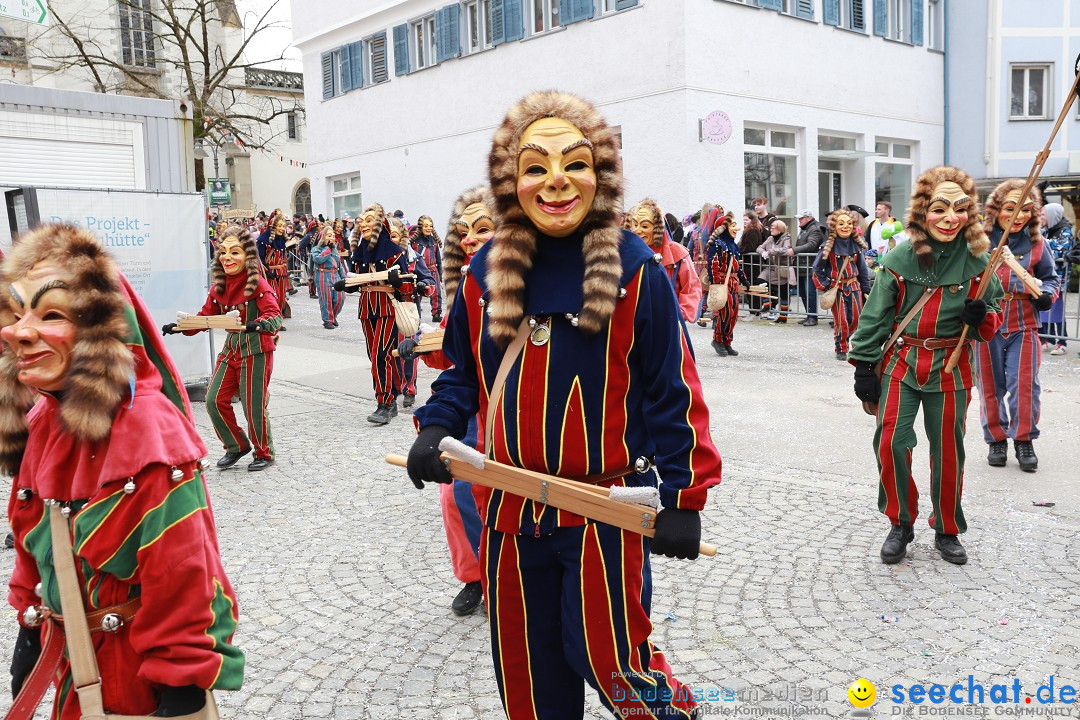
[{"x": 345, "y": 585}]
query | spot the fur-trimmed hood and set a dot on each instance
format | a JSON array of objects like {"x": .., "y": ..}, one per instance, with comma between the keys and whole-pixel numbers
[
  {"x": 514, "y": 245},
  {"x": 251, "y": 261},
  {"x": 418, "y": 237},
  {"x": 992, "y": 209},
  {"x": 453, "y": 254},
  {"x": 380, "y": 222},
  {"x": 915, "y": 222},
  {"x": 826, "y": 248},
  {"x": 657, "y": 217}
]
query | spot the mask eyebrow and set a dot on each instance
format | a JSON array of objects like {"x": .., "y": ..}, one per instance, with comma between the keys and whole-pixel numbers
[
  {"x": 532, "y": 146},
  {"x": 583, "y": 142},
  {"x": 51, "y": 285},
  {"x": 484, "y": 217},
  {"x": 16, "y": 296}
]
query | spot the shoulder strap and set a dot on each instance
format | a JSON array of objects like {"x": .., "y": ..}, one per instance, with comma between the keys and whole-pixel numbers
[
  {"x": 923, "y": 299},
  {"x": 513, "y": 350},
  {"x": 84, "y": 668}
]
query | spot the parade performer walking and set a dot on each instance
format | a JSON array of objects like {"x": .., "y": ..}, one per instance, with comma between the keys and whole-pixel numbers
[
  {"x": 840, "y": 264},
  {"x": 329, "y": 268},
  {"x": 647, "y": 222},
  {"x": 1009, "y": 364},
  {"x": 275, "y": 262},
  {"x": 246, "y": 360},
  {"x": 422, "y": 285},
  {"x": 107, "y": 460},
  {"x": 723, "y": 264},
  {"x": 922, "y": 300},
  {"x": 600, "y": 377},
  {"x": 425, "y": 241}
]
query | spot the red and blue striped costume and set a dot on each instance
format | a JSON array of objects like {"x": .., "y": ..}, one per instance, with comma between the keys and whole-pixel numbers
[
  {"x": 721, "y": 253},
  {"x": 328, "y": 269},
  {"x": 275, "y": 263},
  {"x": 1008, "y": 365},
  {"x": 419, "y": 269},
  {"x": 568, "y": 598},
  {"x": 376, "y": 313},
  {"x": 854, "y": 284},
  {"x": 428, "y": 248}
]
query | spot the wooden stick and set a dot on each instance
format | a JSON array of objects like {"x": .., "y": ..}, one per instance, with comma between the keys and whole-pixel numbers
[
  {"x": 428, "y": 342},
  {"x": 995, "y": 257},
  {"x": 373, "y": 277},
  {"x": 1033, "y": 284},
  {"x": 205, "y": 322},
  {"x": 585, "y": 499}
]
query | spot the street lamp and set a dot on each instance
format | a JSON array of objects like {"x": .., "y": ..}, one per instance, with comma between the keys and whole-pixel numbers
[{"x": 200, "y": 153}]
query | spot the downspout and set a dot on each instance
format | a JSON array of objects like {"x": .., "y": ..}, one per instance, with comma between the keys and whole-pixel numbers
[
  {"x": 945, "y": 49},
  {"x": 990, "y": 105}
]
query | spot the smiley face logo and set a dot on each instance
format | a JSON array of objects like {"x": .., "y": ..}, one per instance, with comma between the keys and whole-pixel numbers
[{"x": 862, "y": 693}]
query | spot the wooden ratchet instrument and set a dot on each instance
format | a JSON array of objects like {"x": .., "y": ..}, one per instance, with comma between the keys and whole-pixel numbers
[{"x": 375, "y": 277}]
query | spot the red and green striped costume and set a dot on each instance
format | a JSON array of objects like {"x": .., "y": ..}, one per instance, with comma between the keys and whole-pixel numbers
[{"x": 914, "y": 376}]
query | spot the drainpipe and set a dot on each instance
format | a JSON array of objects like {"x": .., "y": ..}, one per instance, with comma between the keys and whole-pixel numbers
[
  {"x": 945, "y": 49},
  {"x": 991, "y": 17}
]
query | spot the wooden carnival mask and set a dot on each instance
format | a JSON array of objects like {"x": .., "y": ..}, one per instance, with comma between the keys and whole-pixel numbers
[
  {"x": 44, "y": 331},
  {"x": 556, "y": 181},
  {"x": 232, "y": 256},
  {"x": 476, "y": 227},
  {"x": 948, "y": 211}
]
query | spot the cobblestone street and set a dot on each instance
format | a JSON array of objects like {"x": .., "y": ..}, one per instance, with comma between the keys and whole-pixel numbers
[{"x": 345, "y": 584}]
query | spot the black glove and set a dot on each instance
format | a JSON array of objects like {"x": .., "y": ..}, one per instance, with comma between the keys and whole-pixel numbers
[
  {"x": 27, "y": 650},
  {"x": 179, "y": 701},
  {"x": 254, "y": 326},
  {"x": 349, "y": 288},
  {"x": 339, "y": 285},
  {"x": 405, "y": 349},
  {"x": 394, "y": 278},
  {"x": 974, "y": 312},
  {"x": 421, "y": 288},
  {"x": 867, "y": 383},
  {"x": 678, "y": 533},
  {"x": 424, "y": 464},
  {"x": 168, "y": 329},
  {"x": 1043, "y": 302}
]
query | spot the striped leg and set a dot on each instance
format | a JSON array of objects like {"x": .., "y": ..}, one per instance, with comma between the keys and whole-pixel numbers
[
  {"x": 254, "y": 396},
  {"x": 990, "y": 374},
  {"x": 381, "y": 334},
  {"x": 406, "y": 372},
  {"x": 898, "y": 497},
  {"x": 455, "y": 500},
  {"x": 839, "y": 318},
  {"x": 945, "y": 420},
  {"x": 325, "y": 283},
  {"x": 436, "y": 296},
  {"x": 223, "y": 386},
  {"x": 337, "y": 302},
  {"x": 846, "y": 313},
  {"x": 1023, "y": 358}
]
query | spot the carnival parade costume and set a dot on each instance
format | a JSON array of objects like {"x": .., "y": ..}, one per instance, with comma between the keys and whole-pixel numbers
[
  {"x": 840, "y": 262},
  {"x": 329, "y": 268},
  {"x": 648, "y": 224},
  {"x": 275, "y": 261},
  {"x": 422, "y": 285},
  {"x": 115, "y": 445},
  {"x": 936, "y": 275},
  {"x": 605, "y": 377},
  {"x": 246, "y": 359},
  {"x": 428, "y": 246},
  {"x": 723, "y": 262},
  {"x": 1008, "y": 365}
]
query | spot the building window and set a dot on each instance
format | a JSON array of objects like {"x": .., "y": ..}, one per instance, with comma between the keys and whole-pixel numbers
[
  {"x": 293, "y": 124},
  {"x": 798, "y": 8},
  {"x": 137, "y": 33},
  {"x": 346, "y": 196},
  {"x": 853, "y": 14},
  {"x": 898, "y": 20},
  {"x": 375, "y": 69},
  {"x": 1028, "y": 94},
  {"x": 892, "y": 176},
  {"x": 302, "y": 199},
  {"x": 935, "y": 25},
  {"x": 422, "y": 37},
  {"x": 12, "y": 48},
  {"x": 543, "y": 15},
  {"x": 477, "y": 25},
  {"x": 770, "y": 164}
]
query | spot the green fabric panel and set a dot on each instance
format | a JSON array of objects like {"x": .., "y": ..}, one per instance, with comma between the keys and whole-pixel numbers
[{"x": 231, "y": 674}]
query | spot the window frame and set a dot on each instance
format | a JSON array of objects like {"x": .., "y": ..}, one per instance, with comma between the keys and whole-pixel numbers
[
  {"x": 425, "y": 22},
  {"x": 369, "y": 58},
  {"x": 768, "y": 149},
  {"x": 1048, "y": 89},
  {"x": 292, "y": 125},
  {"x": 935, "y": 25},
  {"x": 126, "y": 11},
  {"x": 847, "y": 16},
  {"x": 528, "y": 12},
  {"x": 484, "y": 27},
  {"x": 350, "y": 189}
]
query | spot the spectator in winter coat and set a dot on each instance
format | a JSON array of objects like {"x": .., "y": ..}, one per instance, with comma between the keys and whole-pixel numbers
[{"x": 810, "y": 239}]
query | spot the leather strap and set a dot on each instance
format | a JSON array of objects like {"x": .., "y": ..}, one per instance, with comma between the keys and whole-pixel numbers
[
  {"x": 513, "y": 350},
  {"x": 1015, "y": 296},
  {"x": 37, "y": 682},
  {"x": 125, "y": 610},
  {"x": 604, "y": 477},
  {"x": 923, "y": 299},
  {"x": 934, "y": 343}
]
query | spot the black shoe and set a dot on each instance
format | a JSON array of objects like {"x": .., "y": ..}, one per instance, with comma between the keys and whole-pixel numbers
[
  {"x": 282, "y": 328},
  {"x": 720, "y": 349},
  {"x": 260, "y": 464},
  {"x": 393, "y": 408},
  {"x": 292, "y": 291},
  {"x": 950, "y": 548},
  {"x": 841, "y": 356},
  {"x": 335, "y": 323},
  {"x": 894, "y": 549},
  {"x": 329, "y": 326},
  {"x": 9, "y": 541},
  {"x": 468, "y": 599},
  {"x": 381, "y": 416},
  {"x": 999, "y": 453},
  {"x": 1025, "y": 455},
  {"x": 229, "y": 458},
  {"x": 810, "y": 322},
  {"x": 832, "y": 324},
  {"x": 408, "y": 401},
  {"x": 437, "y": 317},
  {"x": 803, "y": 321},
  {"x": 731, "y": 351}
]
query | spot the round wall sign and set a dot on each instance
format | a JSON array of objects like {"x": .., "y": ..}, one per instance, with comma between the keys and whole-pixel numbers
[{"x": 716, "y": 127}]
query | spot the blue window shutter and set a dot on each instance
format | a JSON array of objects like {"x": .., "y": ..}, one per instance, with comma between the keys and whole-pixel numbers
[
  {"x": 447, "y": 33},
  {"x": 881, "y": 18},
  {"x": 327, "y": 75},
  {"x": 513, "y": 20},
  {"x": 623, "y": 4},
  {"x": 356, "y": 63},
  {"x": 858, "y": 15},
  {"x": 345, "y": 68},
  {"x": 453, "y": 15},
  {"x": 831, "y": 12},
  {"x": 378, "y": 58},
  {"x": 771, "y": 4},
  {"x": 804, "y": 9},
  {"x": 401, "y": 49},
  {"x": 916, "y": 22},
  {"x": 498, "y": 30},
  {"x": 573, "y": 11}
]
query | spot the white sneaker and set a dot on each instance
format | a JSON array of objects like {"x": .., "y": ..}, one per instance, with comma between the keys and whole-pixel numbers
[{"x": 1058, "y": 350}]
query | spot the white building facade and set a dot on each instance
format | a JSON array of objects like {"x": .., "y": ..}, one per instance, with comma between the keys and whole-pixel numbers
[{"x": 830, "y": 101}]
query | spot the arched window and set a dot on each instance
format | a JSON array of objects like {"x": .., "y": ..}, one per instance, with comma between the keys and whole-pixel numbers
[{"x": 302, "y": 199}]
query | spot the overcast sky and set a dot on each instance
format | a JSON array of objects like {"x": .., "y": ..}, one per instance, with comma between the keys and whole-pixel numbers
[{"x": 269, "y": 43}]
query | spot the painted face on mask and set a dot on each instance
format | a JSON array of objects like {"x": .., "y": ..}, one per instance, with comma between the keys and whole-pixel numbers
[
  {"x": 397, "y": 235},
  {"x": 948, "y": 211},
  {"x": 845, "y": 226},
  {"x": 367, "y": 224},
  {"x": 476, "y": 227},
  {"x": 426, "y": 227},
  {"x": 279, "y": 227},
  {"x": 556, "y": 182},
  {"x": 231, "y": 255},
  {"x": 44, "y": 331},
  {"x": 644, "y": 226},
  {"x": 1008, "y": 206}
]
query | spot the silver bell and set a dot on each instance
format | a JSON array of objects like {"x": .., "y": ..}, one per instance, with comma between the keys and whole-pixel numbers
[
  {"x": 33, "y": 616},
  {"x": 532, "y": 322},
  {"x": 37, "y": 589},
  {"x": 25, "y": 494},
  {"x": 129, "y": 486},
  {"x": 202, "y": 463},
  {"x": 482, "y": 302},
  {"x": 574, "y": 320},
  {"x": 657, "y": 258},
  {"x": 642, "y": 464},
  {"x": 66, "y": 511},
  {"x": 112, "y": 622},
  {"x": 177, "y": 474},
  {"x": 622, "y": 293}
]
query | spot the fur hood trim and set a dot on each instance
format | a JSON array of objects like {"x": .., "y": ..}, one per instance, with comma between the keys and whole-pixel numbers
[
  {"x": 251, "y": 261},
  {"x": 826, "y": 249},
  {"x": 453, "y": 254},
  {"x": 102, "y": 366},
  {"x": 514, "y": 245},
  {"x": 915, "y": 222},
  {"x": 380, "y": 221},
  {"x": 415, "y": 235},
  {"x": 992, "y": 209},
  {"x": 657, "y": 218}
]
